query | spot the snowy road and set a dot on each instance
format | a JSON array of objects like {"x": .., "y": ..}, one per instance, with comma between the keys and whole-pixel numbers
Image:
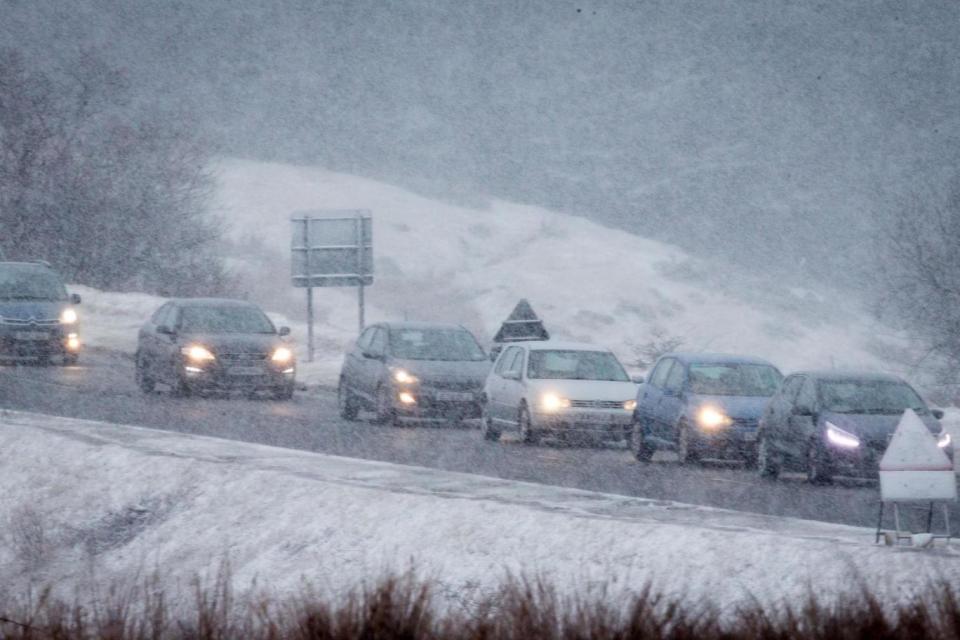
[{"x": 102, "y": 389}]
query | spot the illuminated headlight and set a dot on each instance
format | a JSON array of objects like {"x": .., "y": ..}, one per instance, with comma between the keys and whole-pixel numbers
[
  {"x": 551, "y": 402},
  {"x": 406, "y": 397},
  {"x": 630, "y": 405},
  {"x": 404, "y": 377},
  {"x": 68, "y": 316},
  {"x": 197, "y": 353},
  {"x": 73, "y": 342},
  {"x": 944, "y": 440},
  {"x": 712, "y": 418},
  {"x": 282, "y": 355},
  {"x": 841, "y": 438}
]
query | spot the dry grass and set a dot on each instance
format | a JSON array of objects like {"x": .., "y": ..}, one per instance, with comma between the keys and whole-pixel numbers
[{"x": 403, "y": 608}]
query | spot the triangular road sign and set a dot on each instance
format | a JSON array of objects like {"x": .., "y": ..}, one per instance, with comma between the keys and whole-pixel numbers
[
  {"x": 914, "y": 448},
  {"x": 521, "y": 324}
]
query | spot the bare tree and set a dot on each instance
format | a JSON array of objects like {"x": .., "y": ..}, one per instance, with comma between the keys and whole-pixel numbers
[{"x": 114, "y": 195}]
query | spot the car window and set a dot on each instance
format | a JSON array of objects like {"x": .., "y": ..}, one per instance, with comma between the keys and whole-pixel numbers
[
  {"x": 366, "y": 337},
  {"x": 674, "y": 382},
  {"x": 807, "y": 398},
  {"x": 378, "y": 344},
  {"x": 168, "y": 316},
  {"x": 516, "y": 364},
  {"x": 504, "y": 360},
  {"x": 159, "y": 314},
  {"x": 659, "y": 377}
]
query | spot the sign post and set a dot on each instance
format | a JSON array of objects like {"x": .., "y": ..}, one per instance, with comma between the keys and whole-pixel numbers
[{"x": 331, "y": 248}]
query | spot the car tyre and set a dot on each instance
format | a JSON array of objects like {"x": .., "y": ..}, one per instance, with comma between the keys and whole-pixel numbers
[
  {"x": 642, "y": 449},
  {"x": 145, "y": 383},
  {"x": 70, "y": 359},
  {"x": 385, "y": 413},
  {"x": 346, "y": 403},
  {"x": 283, "y": 393},
  {"x": 766, "y": 465},
  {"x": 818, "y": 467},
  {"x": 181, "y": 389},
  {"x": 527, "y": 433}
]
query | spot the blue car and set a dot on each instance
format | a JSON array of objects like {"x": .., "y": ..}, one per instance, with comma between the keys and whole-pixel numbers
[
  {"x": 703, "y": 406},
  {"x": 37, "y": 318},
  {"x": 834, "y": 423}
]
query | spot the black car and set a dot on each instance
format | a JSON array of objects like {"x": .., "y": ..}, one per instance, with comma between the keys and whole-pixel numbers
[
  {"x": 414, "y": 371},
  {"x": 37, "y": 318},
  {"x": 831, "y": 423},
  {"x": 208, "y": 344}
]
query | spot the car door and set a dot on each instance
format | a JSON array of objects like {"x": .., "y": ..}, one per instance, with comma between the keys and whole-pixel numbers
[
  {"x": 495, "y": 383},
  {"x": 649, "y": 397},
  {"x": 147, "y": 340},
  {"x": 802, "y": 421},
  {"x": 512, "y": 390},
  {"x": 353, "y": 363},
  {"x": 168, "y": 346},
  {"x": 671, "y": 404}
]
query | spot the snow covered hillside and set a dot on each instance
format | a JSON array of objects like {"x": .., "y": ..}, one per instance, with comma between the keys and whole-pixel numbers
[
  {"x": 448, "y": 262},
  {"x": 89, "y": 504}
]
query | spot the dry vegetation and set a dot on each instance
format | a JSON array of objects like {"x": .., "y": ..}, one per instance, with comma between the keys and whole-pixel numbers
[{"x": 403, "y": 607}]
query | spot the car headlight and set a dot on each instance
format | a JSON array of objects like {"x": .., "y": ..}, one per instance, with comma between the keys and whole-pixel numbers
[
  {"x": 551, "y": 402},
  {"x": 944, "y": 440},
  {"x": 68, "y": 316},
  {"x": 197, "y": 353},
  {"x": 404, "y": 377},
  {"x": 712, "y": 418},
  {"x": 282, "y": 355},
  {"x": 630, "y": 405},
  {"x": 841, "y": 438}
]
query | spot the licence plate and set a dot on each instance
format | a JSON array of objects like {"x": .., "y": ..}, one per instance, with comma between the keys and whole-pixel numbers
[
  {"x": 245, "y": 371},
  {"x": 30, "y": 335},
  {"x": 454, "y": 396}
]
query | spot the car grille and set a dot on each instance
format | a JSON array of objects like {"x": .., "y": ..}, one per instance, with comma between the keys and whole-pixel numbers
[
  {"x": 454, "y": 385},
  {"x": 237, "y": 358},
  {"x": 596, "y": 404},
  {"x": 16, "y": 322}
]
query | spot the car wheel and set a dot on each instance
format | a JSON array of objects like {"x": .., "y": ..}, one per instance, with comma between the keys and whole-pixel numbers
[
  {"x": 283, "y": 393},
  {"x": 490, "y": 432},
  {"x": 181, "y": 389},
  {"x": 685, "y": 454},
  {"x": 767, "y": 466},
  {"x": 385, "y": 411},
  {"x": 527, "y": 433},
  {"x": 144, "y": 381},
  {"x": 818, "y": 467},
  {"x": 641, "y": 447},
  {"x": 70, "y": 359},
  {"x": 345, "y": 402}
]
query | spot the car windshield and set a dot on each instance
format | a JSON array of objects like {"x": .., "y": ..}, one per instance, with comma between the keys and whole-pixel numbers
[
  {"x": 733, "y": 379},
  {"x": 575, "y": 365},
  {"x": 869, "y": 397},
  {"x": 226, "y": 319},
  {"x": 435, "y": 344},
  {"x": 30, "y": 284}
]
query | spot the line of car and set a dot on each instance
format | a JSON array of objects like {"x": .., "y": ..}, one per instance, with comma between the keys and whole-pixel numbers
[{"x": 698, "y": 406}]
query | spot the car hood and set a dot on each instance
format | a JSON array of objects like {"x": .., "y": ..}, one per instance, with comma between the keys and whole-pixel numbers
[
  {"x": 872, "y": 427},
  {"x": 36, "y": 309},
  {"x": 586, "y": 389},
  {"x": 235, "y": 342},
  {"x": 470, "y": 372},
  {"x": 747, "y": 408}
]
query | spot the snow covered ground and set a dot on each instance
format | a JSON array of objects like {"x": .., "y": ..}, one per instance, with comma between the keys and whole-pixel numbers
[
  {"x": 89, "y": 501},
  {"x": 470, "y": 264}
]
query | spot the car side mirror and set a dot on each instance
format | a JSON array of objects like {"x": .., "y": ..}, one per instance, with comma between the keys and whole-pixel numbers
[
  {"x": 638, "y": 379},
  {"x": 165, "y": 330},
  {"x": 284, "y": 331},
  {"x": 74, "y": 298},
  {"x": 370, "y": 355},
  {"x": 801, "y": 410},
  {"x": 937, "y": 413}
]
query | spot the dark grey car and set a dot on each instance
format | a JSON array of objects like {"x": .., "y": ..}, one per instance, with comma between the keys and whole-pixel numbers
[
  {"x": 830, "y": 423},
  {"x": 210, "y": 344},
  {"x": 413, "y": 371}
]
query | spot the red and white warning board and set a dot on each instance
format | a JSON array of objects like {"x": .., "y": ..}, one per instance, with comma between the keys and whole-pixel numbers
[{"x": 913, "y": 467}]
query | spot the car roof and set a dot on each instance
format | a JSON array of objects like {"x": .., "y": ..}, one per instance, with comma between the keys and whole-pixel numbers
[
  {"x": 212, "y": 302},
  {"x": 715, "y": 358},
  {"x": 421, "y": 326},
  {"x": 846, "y": 375},
  {"x": 556, "y": 345}
]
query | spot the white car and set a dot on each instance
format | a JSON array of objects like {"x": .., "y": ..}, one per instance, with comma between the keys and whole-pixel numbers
[{"x": 560, "y": 388}]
